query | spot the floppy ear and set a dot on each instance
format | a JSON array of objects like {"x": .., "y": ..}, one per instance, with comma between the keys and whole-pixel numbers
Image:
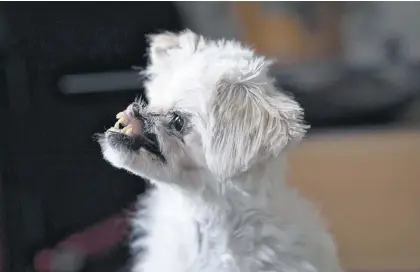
[
  {"x": 250, "y": 121},
  {"x": 161, "y": 44}
]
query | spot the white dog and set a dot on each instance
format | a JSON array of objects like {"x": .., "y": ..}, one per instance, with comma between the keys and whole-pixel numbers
[{"x": 213, "y": 140}]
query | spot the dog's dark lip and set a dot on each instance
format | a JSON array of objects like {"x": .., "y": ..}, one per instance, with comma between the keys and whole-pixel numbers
[
  {"x": 149, "y": 142},
  {"x": 135, "y": 143}
]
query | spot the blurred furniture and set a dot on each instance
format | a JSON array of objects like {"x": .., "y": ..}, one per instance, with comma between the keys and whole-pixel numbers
[
  {"x": 291, "y": 32},
  {"x": 367, "y": 185},
  {"x": 90, "y": 244}
]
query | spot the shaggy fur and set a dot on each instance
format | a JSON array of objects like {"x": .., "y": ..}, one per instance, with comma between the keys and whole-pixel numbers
[{"x": 220, "y": 202}]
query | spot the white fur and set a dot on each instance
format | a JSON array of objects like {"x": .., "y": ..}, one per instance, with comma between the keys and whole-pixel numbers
[{"x": 220, "y": 202}]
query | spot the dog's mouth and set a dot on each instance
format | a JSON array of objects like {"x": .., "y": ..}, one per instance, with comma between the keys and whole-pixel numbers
[
  {"x": 129, "y": 132},
  {"x": 127, "y": 125}
]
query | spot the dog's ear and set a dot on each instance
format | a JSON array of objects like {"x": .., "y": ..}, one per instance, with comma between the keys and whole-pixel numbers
[
  {"x": 161, "y": 44},
  {"x": 250, "y": 121}
]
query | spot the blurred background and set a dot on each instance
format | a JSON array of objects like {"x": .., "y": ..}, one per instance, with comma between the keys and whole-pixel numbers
[{"x": 67, "y": 68}]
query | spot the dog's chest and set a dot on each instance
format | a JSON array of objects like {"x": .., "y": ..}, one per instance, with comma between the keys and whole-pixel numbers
[
  {"x": 178, "y": 239},
  {"x": 213, "y": 250}
]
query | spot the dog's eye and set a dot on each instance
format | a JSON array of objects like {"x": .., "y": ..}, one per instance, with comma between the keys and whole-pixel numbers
[{"x": 177, "y": 122}]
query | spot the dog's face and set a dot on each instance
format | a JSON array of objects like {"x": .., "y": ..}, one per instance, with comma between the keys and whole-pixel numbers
[{"x": 212, "y": 110}]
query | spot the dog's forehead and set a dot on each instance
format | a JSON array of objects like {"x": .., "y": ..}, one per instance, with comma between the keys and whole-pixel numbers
[
  {"x": 188, "y": 87},
  {"x": 189, "y": 80}
]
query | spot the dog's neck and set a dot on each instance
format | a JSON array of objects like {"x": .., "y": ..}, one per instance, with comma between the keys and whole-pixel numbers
[
  {"x": 263, "y": 178},
  {"x": 256, "y": 188}
]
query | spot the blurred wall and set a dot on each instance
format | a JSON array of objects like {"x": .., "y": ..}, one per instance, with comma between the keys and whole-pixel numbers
[
  {"x": 366, "y": 184},
  {"x": 365, "y": 25}
]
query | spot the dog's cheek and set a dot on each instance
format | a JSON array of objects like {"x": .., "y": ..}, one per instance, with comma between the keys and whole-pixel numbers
[
  {"x": 194, "y": 149},
  {"x": 168, "y": 144}
]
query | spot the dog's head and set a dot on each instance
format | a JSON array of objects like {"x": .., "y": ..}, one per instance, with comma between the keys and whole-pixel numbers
[{"x": 212, "y": 107}]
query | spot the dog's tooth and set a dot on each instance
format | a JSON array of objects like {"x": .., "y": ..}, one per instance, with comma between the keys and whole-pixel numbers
[
  {"x": 120, "y": 115},
  {"x": 127, "y": 129},
  {"x": 113, "y": 129},
  {"x": 117, "y": 124}
]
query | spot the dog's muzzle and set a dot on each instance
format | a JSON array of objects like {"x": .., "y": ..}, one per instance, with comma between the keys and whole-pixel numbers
[{"x": 132, "y": 131}]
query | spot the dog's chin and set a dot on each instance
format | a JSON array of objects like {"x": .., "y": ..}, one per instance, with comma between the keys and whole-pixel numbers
[{"x": 119, "y": 148}]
